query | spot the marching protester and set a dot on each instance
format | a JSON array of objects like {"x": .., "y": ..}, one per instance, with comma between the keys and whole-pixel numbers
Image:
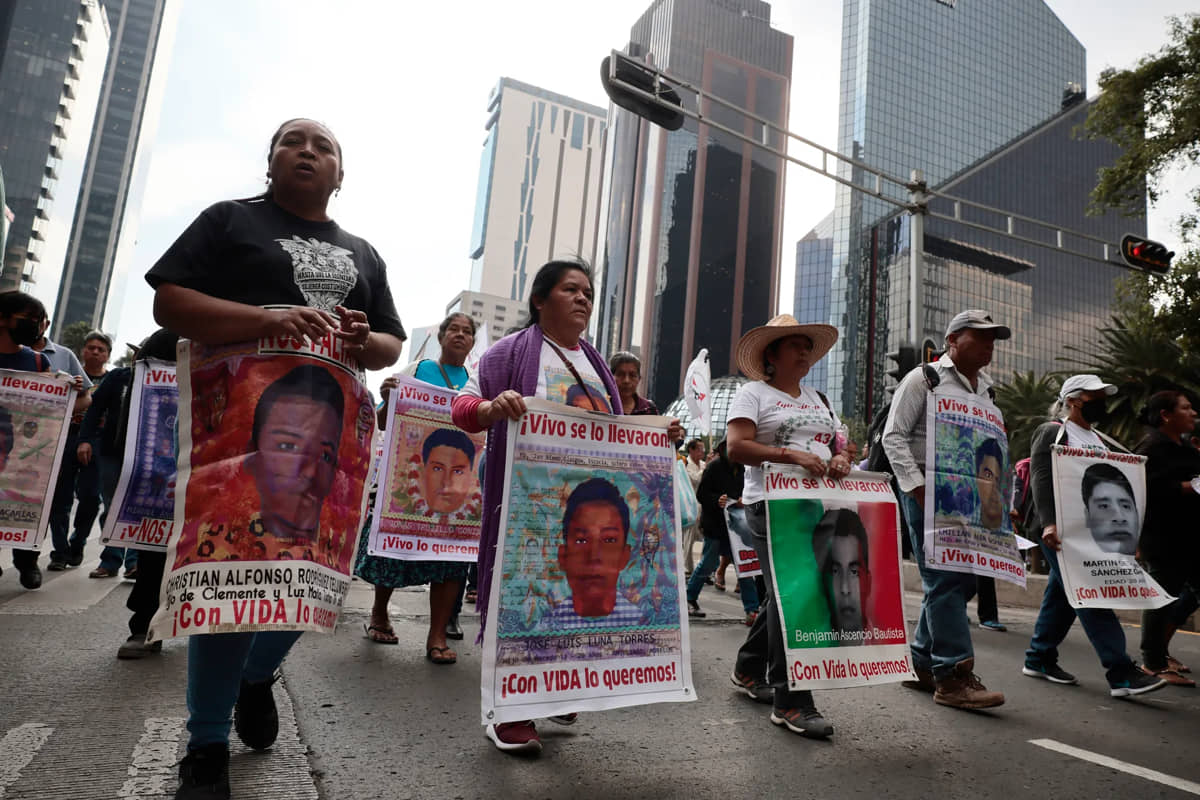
[
  {"x": 522, "y": 365},
  {"x": 627, "y": 372},
  {"x": 1170, "y": 542},
  {"x": 456, "y": 336},
  {"x": 720, "y": 486},
  {"x": 1080, "y": 406},
  {"x": 694, "y": 463},
  {"x": 775, "y": 419},
  {"x": 211, "y": 286},
  {"x": 942, "y": 655}
]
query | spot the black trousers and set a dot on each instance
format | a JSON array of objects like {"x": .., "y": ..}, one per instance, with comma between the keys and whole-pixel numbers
[
  {"x": 143, "y": 599},
  {"x": 1174, "y": 575}
]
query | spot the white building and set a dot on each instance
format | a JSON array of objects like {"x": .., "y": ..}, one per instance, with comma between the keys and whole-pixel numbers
[{"x": 492, "y": 313}]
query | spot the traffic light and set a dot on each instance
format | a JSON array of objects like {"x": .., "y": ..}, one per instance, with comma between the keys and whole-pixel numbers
[
  {"x": 667, "y": 112},
  {"x": 906, "y": 360},
  {"x": 929, "y": 351},
  {"x": 1145, "y": 254}
]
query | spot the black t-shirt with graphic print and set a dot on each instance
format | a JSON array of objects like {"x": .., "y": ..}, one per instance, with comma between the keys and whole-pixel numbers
[{"x": 254, "y": 252}]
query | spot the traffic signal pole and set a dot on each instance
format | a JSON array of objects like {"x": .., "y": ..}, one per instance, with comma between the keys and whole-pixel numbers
[{"x": 919, "y": 205}]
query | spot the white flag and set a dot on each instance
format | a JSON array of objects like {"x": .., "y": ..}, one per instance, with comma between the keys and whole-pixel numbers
[
  {"x": 481, "y": 345},
  {"x": 695, "y": 391}
]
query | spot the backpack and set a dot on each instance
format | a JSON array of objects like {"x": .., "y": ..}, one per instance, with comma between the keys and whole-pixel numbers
[{"x": 877, "y": 460}]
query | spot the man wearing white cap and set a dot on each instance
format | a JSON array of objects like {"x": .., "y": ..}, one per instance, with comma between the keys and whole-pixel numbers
[
  {"x": 942, "y": 655},
  {"x": 1082, "y": 403}
]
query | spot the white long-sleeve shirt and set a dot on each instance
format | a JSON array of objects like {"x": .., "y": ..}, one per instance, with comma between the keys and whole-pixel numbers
[{"x": 904, "y": 433}]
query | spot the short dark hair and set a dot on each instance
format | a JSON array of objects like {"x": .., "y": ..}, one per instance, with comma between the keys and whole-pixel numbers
[
  {"x": 448, "y": 437},
  {"x": 595, "y": 490},
  {"x": 6, "y": 431},
  {"x": 1097, "y": 474},
  {"x": 99, "y": 336},
  {"x": 160, "y": 345},
  {"x": 989, "y": 447},
  {"x": 1160, "y": 403},
  {"x": 624, "y": 357},
  {"x": 547, "y": 278},
  {"x": 839, "y": 522},
  {"x": 308, "y": 381},
  {"x": 450, "y": 318},
  {"x": 692, "y": 443},
  {"x": 14, "y": 302}
]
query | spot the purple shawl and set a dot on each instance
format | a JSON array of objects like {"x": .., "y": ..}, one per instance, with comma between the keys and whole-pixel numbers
[{"x": 512, "y": 363}]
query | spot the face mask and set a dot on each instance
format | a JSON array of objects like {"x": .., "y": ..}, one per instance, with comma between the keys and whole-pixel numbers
[
  {"x": 1095, "y": 411},
  {"x": 25, "y": 331}
]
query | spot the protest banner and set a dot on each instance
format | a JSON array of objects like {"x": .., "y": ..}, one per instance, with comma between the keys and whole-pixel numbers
[
  {"x": 835, "y": 562},
  {"x": 967, "y": 491},
  {"x": 142, "y": 515},
  {"x": 586, "y": 608},
  {"x": 35, "y": 408},
  {"x": 274, "y": 447},
  {"x": 741, "y": 542},
  {"x": 428, "y": 504},
  {"x": 1100, "y": 503}
]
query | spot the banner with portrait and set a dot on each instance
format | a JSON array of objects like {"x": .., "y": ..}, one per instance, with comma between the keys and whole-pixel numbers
[
  {"x": 274, "y": 447},
  {"x": 741, "y": 543},
  {"x": 1100, "y": 504},
  {"x": 35, "y": 408},
  {"x": 968, "y": 489},
  {"x": 586, "y": 608},
  {"x": 142, "y": 515},
  {"x": 835, "y": 561},
  {"x": 428, "y": 504}
]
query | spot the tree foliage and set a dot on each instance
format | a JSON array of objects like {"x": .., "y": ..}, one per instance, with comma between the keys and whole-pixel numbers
[
  {"x": 1025, "y": 403},
  {"x": 1153, "y": 112},
  {"x": 1169, "y": 302},
  {"x": 73, "y": 335}
]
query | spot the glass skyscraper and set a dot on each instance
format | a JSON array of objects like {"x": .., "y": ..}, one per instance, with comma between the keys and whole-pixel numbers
[
  {"x": 692, "y": 217},
  {"x": 104, "y": 228},
  {"x": 932, "y": 85}
]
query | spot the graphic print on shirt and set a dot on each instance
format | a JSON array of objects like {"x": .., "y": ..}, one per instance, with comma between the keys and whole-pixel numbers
[
  {"x": 809, "y": 424},
  {"x": 324, "y": 272},
  {"x": 561, "y": 387}
]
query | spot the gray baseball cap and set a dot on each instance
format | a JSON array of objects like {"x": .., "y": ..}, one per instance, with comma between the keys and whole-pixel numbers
[{"x": 978, "y": 319}]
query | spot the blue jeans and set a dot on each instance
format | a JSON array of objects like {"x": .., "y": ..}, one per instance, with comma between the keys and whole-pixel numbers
[
  {"x": 709, "y": 559},
  {"x": 111, "y": 557},
  {"x": 1056, "y": 616},
  {"x": 943, "y": 635},
  {"x": 217, "y": 664}
]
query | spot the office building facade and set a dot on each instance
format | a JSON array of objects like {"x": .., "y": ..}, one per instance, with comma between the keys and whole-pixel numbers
[
  {"x": 114, "y": 176},
  {"x": 52, "y": 56},
  {"x": 539, "y": 186}
]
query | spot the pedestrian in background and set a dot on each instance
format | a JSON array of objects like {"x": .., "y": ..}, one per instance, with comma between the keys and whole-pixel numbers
[
  {"x": 694, "y": 463},
  {"x": 720, "y": 487},
  {"x": 627, "y": 372}
]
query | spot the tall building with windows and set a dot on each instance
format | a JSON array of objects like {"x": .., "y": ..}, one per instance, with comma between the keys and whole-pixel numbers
[
  {"x": 52, "y": 56},
  {"x": 114, "y": 176},
  {"x": 932, "y": 85},
  {"x": 539, "y": 186},
  {"x": 693, "y": 217},
  {"x": 814, "y": 254}
]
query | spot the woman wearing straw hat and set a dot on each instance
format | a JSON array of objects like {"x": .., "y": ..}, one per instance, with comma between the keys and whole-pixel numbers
[{"x": 773, "y": 418}]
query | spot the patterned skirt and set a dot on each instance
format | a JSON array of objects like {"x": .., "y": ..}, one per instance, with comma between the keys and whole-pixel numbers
[{"x": 392, "y": 573}]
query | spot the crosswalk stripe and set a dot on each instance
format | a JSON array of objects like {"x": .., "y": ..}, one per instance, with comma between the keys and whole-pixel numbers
[
  {"x": 17, "y": 749},
  {"x": 152, "y": 767}
]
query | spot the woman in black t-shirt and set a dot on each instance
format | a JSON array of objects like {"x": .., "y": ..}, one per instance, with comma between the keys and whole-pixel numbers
[{"x": 280, "y": 249}]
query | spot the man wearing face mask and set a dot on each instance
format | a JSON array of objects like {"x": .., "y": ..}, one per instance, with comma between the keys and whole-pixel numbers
[{"x": 1082, "y": 403}]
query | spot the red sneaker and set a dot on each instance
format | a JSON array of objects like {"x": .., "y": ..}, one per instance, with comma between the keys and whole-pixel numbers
[{"x": 515, "y": 737}]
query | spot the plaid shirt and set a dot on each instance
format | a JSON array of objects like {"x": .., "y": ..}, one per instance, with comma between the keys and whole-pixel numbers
[{"x": 562, "y": 618}]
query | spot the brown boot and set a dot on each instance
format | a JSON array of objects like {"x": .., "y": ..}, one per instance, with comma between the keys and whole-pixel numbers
[
  {"x": 924, "y": 681},
  {"x": 963, "y": 689}
]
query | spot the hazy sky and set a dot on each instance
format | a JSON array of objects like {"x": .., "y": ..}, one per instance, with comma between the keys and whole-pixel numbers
[{"x": 404, "y": 86}]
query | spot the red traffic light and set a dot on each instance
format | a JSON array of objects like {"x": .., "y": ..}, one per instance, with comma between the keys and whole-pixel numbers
[{"x": 1145, "y": 254}]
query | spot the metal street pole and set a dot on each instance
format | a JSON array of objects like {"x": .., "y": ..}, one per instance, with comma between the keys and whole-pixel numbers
[{"x": 916, "y": 249}]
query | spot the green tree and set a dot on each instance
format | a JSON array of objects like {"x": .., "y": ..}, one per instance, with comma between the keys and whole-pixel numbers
[
  {"x": 74, "y": 334},
  {"x": 1170, "y": 302},
  {"x": 1025, "y": 403},
  {"x": 1153, "y": 112}
]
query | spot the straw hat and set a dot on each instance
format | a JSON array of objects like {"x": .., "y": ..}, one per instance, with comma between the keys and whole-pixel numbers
[{"x": 750, "y": 347}]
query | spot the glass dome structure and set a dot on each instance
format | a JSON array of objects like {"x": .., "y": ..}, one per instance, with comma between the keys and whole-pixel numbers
[{"x": 722, "y": 391}]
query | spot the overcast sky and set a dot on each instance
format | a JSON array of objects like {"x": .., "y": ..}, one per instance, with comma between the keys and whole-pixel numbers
[{"x": 404, "y": 87}]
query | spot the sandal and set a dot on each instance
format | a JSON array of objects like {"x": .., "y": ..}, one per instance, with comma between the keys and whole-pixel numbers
[
  {"x": 441, "y": 655},
  {"x": 381, "y": 634},
  {"x": 1175, "y": 665}
]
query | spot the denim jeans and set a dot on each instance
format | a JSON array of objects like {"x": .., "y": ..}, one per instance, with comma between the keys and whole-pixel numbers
[
  {"x": 217, "y": 664},
  {"x": 763, "y": 652},
  {"x": 1056, "y": 616},
  {"x": 943, "y": 635},
  {"x": 709, "y": 559},
  {"x": 111, "y": 557},
  {"x": 74, "y": 480}
]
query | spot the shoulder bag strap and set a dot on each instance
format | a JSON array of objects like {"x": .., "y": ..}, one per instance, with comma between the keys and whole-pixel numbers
[
  {"x": 445, "y": 375},
  {"x": 574, "y": 373}
]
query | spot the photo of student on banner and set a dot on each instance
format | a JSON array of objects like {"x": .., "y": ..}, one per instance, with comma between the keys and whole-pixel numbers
[
  {"x": 442, "y": 478},
  {"x": 1112, "y": 513},
  {"x": 843, "y": 558}
]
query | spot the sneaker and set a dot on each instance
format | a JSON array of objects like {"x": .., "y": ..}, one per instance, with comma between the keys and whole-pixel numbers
[
  {"x": 751, "y": 616},
  {"x": 135, "y": 647},
  {"x": 56, "y": 566},
  {"x": 1050, "y": 672},
  {"x": 31, "y": 577},
  {"x": 564, "y": 719},
  {"x": 993, "y": 625},
  {"x": 804, "y": 721},
  {"x": 255, "y": 717},
  {"x": 102, "y": 572},
  {"x": 130, "y": 573},
  {"x": 1170, "y": 676},
  {"x": 1131, "y": 681},
  {"x": 204, "y": 774},
  {"x": 515, "y": 737},
  {"x": 963, "y": 689},
  {"x": 923, "y": 683},
  {"x": 694, "y": 610},
  {"x": 76, "y": 557},
  {"x": 757, "y": 691}
]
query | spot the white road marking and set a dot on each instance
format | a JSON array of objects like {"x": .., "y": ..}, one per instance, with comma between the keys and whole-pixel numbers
[
  {"x": 152, "y": 767},
  {"x": 17, "y": 749},
  {"x": 1120, "y": 766},
  {"x": 69, "y": 592}
]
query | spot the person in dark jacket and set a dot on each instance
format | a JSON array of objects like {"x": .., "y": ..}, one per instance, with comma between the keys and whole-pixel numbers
[
  {"x": 1081, "y": 403},
  {"x": 720, "y": 486},
  {"x": 1170, "y": 543}
]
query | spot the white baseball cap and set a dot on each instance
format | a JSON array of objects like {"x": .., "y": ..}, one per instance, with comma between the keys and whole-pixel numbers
[
  {"x": 1084, "y": 383},
  {"x": 978, "y": 319}
]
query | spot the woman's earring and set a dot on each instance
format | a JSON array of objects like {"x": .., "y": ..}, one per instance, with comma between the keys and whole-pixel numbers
[
  {"x": 769, "y": 369},
  {"x": 337, "y": 191}
]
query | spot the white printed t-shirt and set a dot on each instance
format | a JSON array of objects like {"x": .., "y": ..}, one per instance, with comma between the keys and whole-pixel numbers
[
  {"x": 797, "y": 423},
  {"x": 555, "y": 381},
  {"x": 1083, "y": 438}
]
